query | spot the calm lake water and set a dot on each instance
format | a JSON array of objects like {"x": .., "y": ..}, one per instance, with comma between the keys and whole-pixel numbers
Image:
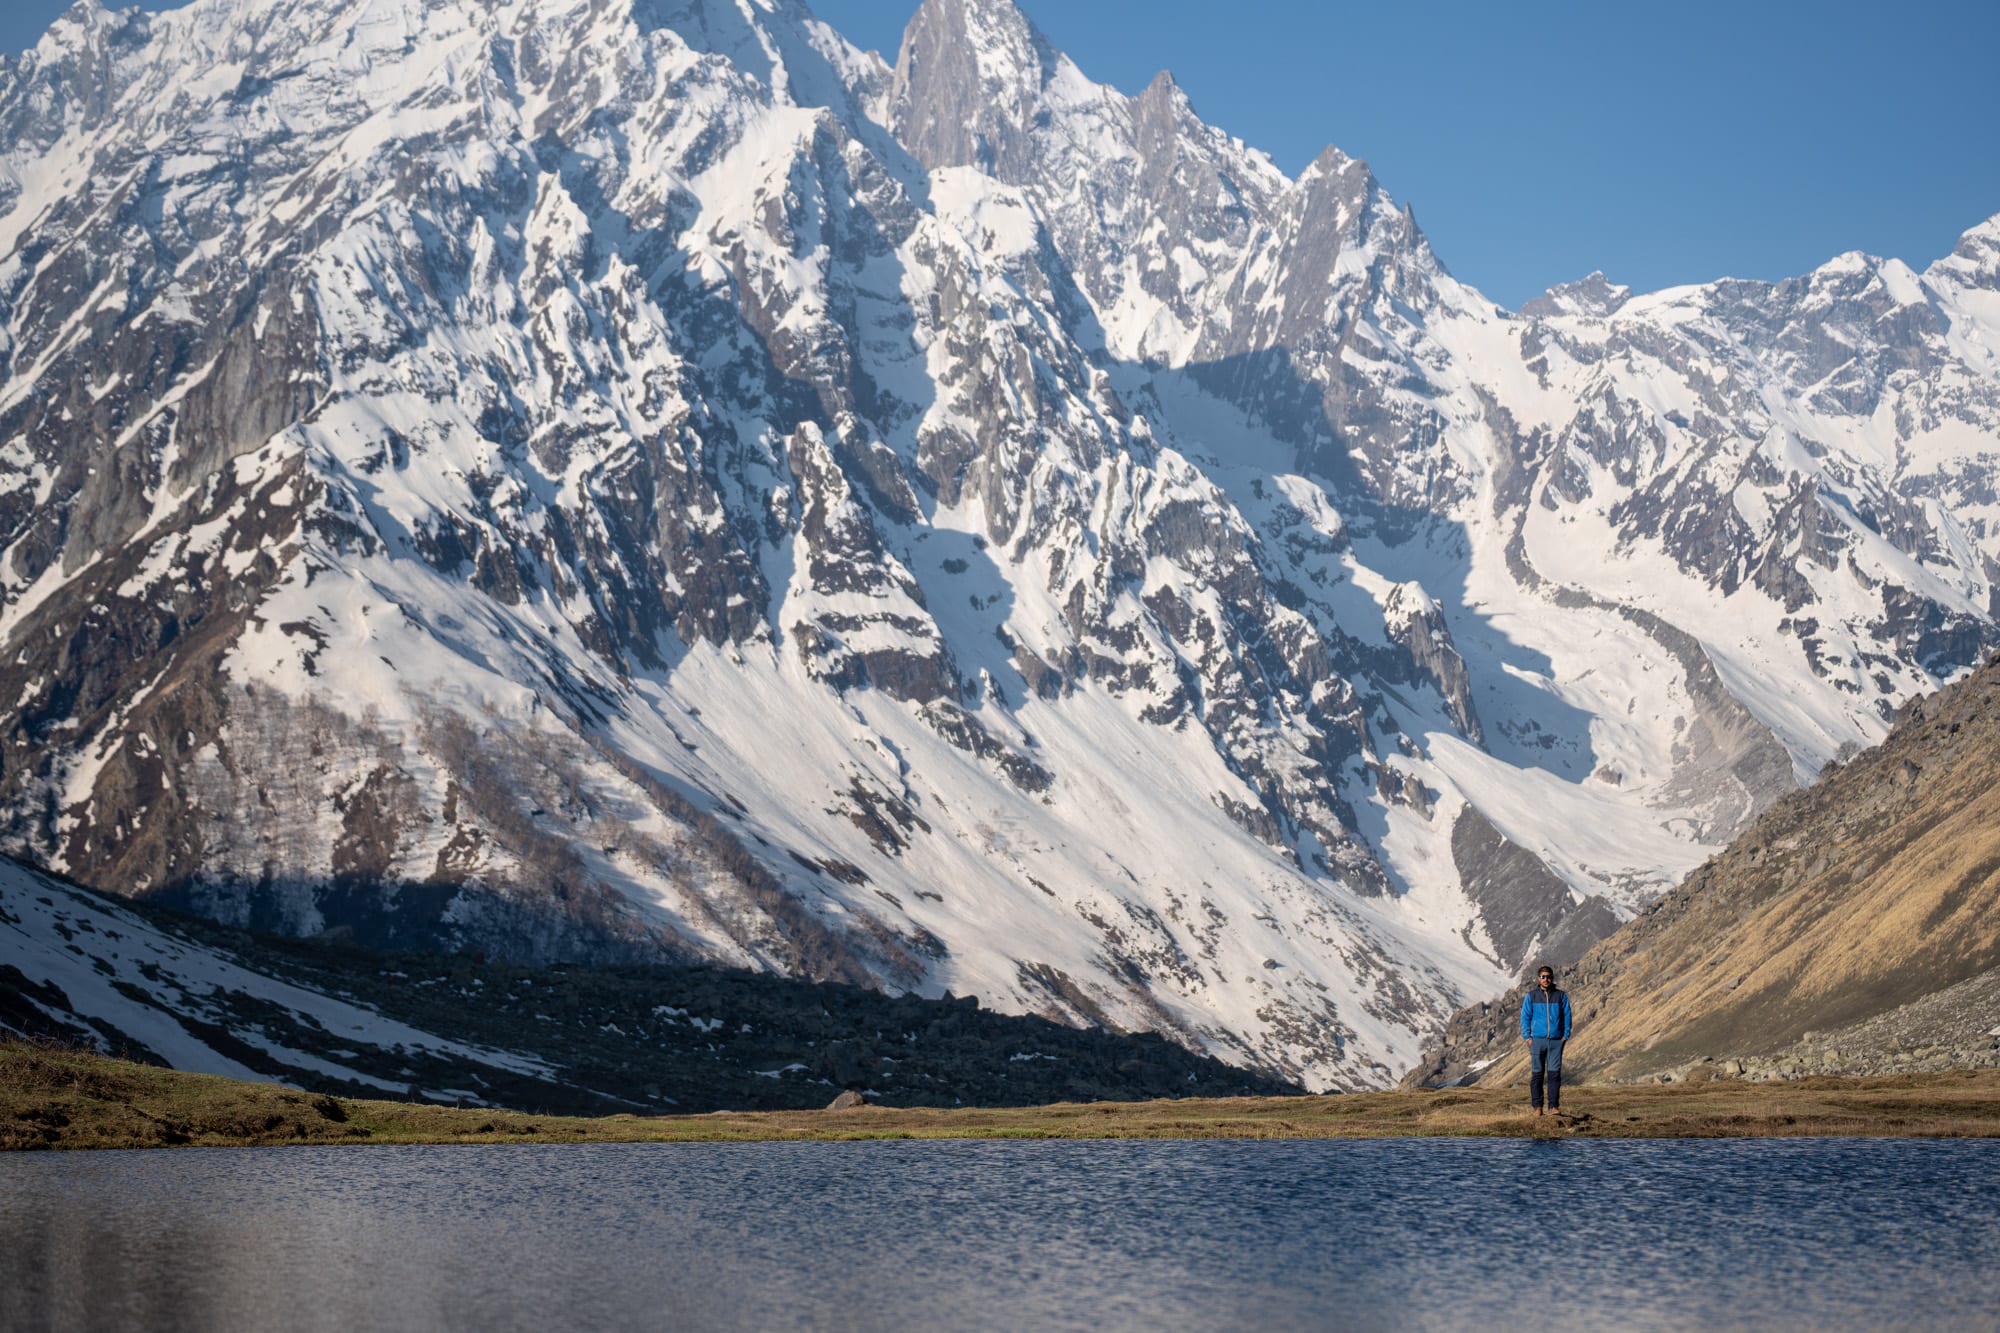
[{"x": 1390, "y": 1234}]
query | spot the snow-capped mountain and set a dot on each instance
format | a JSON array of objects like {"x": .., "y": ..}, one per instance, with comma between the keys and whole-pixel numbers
[{"x": 643, "y": 477}]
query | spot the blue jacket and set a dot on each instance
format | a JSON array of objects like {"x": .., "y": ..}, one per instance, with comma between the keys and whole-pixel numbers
[{"x": 1545, "y": 1017}]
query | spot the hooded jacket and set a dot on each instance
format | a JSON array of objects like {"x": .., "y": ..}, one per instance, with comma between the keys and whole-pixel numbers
[{"x": 1545, "y": 1014}]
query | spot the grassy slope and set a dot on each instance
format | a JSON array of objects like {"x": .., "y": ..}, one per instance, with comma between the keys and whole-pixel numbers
[
  {"x": 1873, "y": 888},
  {"x": 65, "y": 1099}
]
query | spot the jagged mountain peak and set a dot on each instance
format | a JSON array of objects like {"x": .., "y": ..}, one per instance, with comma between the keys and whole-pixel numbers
[
  {"x": 968, "y": 78},
  {"x": 1360, "y": 201},
  {"x": 67, "y": 76},
  {"x": 1162, "y": 111},
  {"x": 1594, "y": 296},
  {"x": 1334, "y": 161},
  {"x": 997, "y": 27},
  {"x": 1975, "y": 260},
  {"x": 86, "y": 21},
  {"x": 74, "y": 23},
  {"x": 990, "y": 41},
  {"x": 1162, "y": 115},
  {"x": 1982, "y": 234}
]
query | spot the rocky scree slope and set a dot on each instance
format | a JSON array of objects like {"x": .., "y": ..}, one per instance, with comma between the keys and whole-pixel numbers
[
  {"x": 1853, "y": 928},
  {"x": 648, "y": 480}
]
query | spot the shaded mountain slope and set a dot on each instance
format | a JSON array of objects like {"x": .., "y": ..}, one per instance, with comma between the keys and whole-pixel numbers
[
  {"x": 1872, "y": 896},
  {"x": 80, "y": 966}
]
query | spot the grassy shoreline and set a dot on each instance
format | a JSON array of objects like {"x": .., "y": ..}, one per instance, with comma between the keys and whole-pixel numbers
[{"x": 51, "y": 1098}]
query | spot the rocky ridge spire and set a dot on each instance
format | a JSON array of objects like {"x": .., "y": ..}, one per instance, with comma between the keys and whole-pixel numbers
[{"x": 967, "y": 79}]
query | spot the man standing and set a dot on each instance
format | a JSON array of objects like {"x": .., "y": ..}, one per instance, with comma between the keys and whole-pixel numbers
[{"x": 1545, "y": 1027}]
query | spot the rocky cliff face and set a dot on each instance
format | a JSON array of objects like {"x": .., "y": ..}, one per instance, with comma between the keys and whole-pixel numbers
[
  {"x": 647, "y": 479},
  {"x": 1854, "y": 927}
]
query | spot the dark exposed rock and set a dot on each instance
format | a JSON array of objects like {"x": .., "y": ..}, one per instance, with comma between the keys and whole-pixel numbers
[
  {"x": 1416, "y": 623},
  {"x": 1530, "y": 915}
]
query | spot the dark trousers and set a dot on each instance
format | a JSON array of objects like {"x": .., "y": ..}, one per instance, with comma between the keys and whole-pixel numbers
[{"x": 1545, "y": 1066}]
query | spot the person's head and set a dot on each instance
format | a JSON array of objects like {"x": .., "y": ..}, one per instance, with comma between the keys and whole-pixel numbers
[{"x": 1546, "y": 978}]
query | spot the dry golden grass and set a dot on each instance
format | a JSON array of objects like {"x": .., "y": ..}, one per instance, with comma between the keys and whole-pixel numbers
[
  {"x": 66, "y": 1099},
  {"x": 1874, "y": 888}
]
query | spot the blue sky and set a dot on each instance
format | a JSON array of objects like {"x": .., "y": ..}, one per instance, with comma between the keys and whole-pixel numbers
[{"x": 1660, "y": 143}]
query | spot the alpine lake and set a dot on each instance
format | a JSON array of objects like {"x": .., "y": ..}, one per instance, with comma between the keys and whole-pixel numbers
[{"x": 1384, "y": 1233}]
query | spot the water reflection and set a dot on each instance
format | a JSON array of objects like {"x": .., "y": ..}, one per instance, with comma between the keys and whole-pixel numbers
[{"x": 1399, "y": 1234}]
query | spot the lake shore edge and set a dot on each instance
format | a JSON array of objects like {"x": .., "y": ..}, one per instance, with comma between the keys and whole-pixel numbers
[{"x": 67, "y": 1099}]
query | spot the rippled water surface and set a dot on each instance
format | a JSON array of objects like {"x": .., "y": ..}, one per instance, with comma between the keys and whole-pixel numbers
[{"x": 1387, "y": 1234}]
